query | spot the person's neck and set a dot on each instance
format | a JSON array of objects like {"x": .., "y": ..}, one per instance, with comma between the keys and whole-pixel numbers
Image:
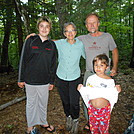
[
  {"x": 71, "y": 41},
  {"x": 101, "y": 75},
  {"x": 43, "y": 38},
  {"x": 104, "y": 76},
  {"x": 97, "y": 33}
]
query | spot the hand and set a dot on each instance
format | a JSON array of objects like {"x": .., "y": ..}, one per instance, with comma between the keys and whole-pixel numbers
[
  {"x": 118, "y": 87},
  {"x": 21, "y": 84},
  {"x": 32, "y": 34},
  {"x": 51, "y": 87},
  {"x": 113, "y": 72},
  {"x": 79, "y": 87}
]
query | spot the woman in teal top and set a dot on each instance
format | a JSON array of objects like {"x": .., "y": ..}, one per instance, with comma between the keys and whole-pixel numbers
[{"x": 70, "y": 51}]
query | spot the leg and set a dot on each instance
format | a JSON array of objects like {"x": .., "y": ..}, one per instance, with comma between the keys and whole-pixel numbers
[
  {"x": 94, "y": 123},
  {"x": 74, "y": 104},
  {"x": 104, "y": 120},
  {"x": 43, "y": 94},
  {"x": 30, "y": 107},
  {"x": 74, "y": 98},
  {"x": 63, "y": 89}
]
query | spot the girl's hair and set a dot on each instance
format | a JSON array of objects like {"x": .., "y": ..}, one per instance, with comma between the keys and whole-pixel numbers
[
  {"x": 103, "y": 58},
  {"x": 44, "y": 18},
  {"x": 67, "y": 24}
]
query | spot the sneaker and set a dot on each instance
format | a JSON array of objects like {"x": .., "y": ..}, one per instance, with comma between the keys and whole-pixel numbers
[
  {"x": 74, "y": 129},
  {"x": 34, "y": 131},
  {"x": 68, "y": 123}
]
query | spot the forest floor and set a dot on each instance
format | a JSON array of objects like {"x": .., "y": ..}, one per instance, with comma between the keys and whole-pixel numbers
[{"x": 12, "y": 118}]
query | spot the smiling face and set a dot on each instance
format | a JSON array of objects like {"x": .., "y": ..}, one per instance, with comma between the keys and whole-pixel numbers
[
  {"x": 44, "y": 29},
  {"x": 70, "y": 32},
  {"x": 100, "y": 67},
  {"x": 92, "y": 24}
]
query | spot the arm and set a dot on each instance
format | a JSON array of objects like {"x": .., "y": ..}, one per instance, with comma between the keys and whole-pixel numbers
[
  {"x": 22, "y": 67},
  {"x": 79, "y": 87},
  {"x": 115, "y": 62},
  {"x": 118, "y": 87},
  {"x": 32, "y": 34},
  {"x": 83, "y": 52},
  {"x": 53, "y": 65},
  {"x": 24, "y": 53}
]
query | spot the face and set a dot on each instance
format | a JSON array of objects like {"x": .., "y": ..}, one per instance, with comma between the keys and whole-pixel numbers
[
  {"x": 100, "y": 67},
  {"x": 44, "y": 29},
  {"x": 70, "y": 32},
  {"x": 92, "y": 24}
]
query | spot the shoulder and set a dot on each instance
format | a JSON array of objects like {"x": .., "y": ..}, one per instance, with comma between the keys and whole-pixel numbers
[
  {"x": 92, "y": 76},
  {"x": 34, "y": 37},
  {"x": 107, "y": 77},
  {"x": 82, "y": 36},
  {"x": 107, "y": 35},
  {"x": 52, "y": 43},
  {"x": 60, "y": 41},
  {"x": 30, "y": 40},
  {"x": 79, "y": 42},
  {"x": 109, "y": 80}
]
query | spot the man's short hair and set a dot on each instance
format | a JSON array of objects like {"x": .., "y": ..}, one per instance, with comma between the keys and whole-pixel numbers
[{"x": 92, "y": 14}]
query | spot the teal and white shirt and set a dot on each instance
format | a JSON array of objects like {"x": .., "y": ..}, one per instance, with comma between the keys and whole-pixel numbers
[{"x": 69, "y": 58}]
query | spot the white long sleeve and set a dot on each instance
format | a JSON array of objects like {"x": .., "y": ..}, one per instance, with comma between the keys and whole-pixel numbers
[
  {"x": 89, "y": 93},
  {"x": 97, "y": 87}
]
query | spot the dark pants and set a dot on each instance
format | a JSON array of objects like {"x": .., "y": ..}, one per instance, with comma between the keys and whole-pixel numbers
[{"x": 70, "y": 96}]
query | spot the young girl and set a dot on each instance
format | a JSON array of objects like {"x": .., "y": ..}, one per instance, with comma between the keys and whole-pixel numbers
[
  {"x": 36, "y": 72},
  {"x": 99, "y": 95}
]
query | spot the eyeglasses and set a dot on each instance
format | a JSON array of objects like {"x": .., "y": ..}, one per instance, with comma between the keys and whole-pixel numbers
[{"x": 69, "y": 31}]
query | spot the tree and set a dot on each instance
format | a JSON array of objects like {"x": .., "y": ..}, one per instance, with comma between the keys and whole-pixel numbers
[
  {"x": 24, "y": 14},
  {"x": 19, "y": 27},
  {"x": 132, "y": 57},
  {"x": 5, "y": 65},
  {"x": 62, "y": 12}
]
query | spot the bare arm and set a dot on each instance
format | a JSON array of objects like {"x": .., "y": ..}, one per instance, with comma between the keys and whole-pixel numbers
[
  {"x": 115, "y": 58},
  {"x": 118, "y": 87},
  {"x": 32, "y": 34},
  {"x": 79, "y": 87}
]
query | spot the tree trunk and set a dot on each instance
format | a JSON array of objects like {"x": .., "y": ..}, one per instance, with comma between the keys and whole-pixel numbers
[
  {"x": 24, "y": 14},
  {"x": 132, "y": 58},
  {"x": 19, "y": 28},
  {"x": 62, "y": 13},
  {"x": 4, "y": 65},
  {"x": 12, "y": 102}
]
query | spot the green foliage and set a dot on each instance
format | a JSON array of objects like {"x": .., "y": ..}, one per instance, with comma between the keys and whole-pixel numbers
[
  {"x": 13, "y": 55},
  {"x": 116, "y": 18}
]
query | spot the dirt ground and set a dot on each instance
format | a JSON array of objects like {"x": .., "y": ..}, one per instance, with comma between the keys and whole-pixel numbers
[{"x": 12, "y": 118}]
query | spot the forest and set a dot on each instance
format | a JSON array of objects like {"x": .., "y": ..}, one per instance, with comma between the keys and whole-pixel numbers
[{"x": 18, "y": 19}]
